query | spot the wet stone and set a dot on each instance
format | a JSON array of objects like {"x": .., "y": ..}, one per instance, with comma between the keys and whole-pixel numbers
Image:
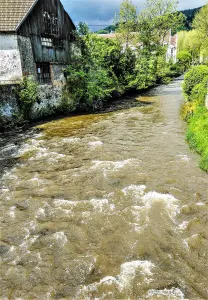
[
  {"x": 4, "y": 249},
  {"x": 24, "y": 205}
]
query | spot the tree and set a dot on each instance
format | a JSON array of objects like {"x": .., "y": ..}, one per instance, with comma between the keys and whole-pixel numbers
[
  {"x": 190, "y": 41},
  {"x": 184, "y": 59},
  {"x": 156, "y": 20},
  {"x": 127, "y": 23},
  {"x": 200, "y": 23}
]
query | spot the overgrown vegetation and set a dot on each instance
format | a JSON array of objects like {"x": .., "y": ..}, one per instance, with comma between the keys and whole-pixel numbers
[
  {"x": 196, "y": 40},
  {"x": 27, "y": 95},
  {"x": 136, "y": 59},
  {"x": 194, "y": 77},
  {"x": 195, "y": 112}
]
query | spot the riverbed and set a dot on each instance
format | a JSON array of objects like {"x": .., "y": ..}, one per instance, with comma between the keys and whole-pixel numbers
[{"x": 105, "y": 206}]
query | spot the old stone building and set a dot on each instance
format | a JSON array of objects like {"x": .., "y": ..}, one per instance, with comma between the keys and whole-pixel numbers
[
  {"x": 36, "y": 37},
  {"x": 36, "y": 40}
]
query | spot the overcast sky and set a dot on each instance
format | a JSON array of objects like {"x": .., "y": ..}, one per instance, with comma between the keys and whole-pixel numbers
[{"x": 102, "y": 12}]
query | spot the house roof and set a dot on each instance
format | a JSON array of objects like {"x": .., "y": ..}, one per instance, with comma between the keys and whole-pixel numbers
[{"x": 12, "y": 13}]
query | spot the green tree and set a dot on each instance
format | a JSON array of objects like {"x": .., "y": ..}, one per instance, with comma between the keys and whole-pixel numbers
[
  {"x": 126, "y": 21},
  {"x": 200, "y": 23},
  {"x": 190, "y": 41},
  {"x": 184, "y": 59},
  {"x": 156, "y": 20}
]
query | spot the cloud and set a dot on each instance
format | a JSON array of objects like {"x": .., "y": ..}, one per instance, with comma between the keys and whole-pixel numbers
[{"x": 102, "y": 12}]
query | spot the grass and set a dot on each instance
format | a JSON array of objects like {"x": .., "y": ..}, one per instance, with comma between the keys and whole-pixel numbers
[{"x": 197, "y": 134}]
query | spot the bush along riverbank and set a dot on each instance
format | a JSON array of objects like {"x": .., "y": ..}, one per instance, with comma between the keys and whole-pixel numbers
[
  {"x": 100, "y": 72},
  {"x": 102, "y": 69},
  {"x": 195, "y": 112}
]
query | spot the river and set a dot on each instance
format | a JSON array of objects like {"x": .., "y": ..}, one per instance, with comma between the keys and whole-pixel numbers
[{"x": 105, "y": 206}]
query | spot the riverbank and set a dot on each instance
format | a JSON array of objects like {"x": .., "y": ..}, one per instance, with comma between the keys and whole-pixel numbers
[
  {"x": 195, "y": 111},
  {"x": 114, "y": 208}
]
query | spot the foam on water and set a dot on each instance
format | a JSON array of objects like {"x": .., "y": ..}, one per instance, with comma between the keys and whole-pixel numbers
[
  {"x": 112, "y": 166},
  {"x": 71, "y": 140},
  {"x": 12, "y": 211},
  {"x": 170, "y": 294},
  {"x": 169, "y": 202},
  {"x": 101, "y": 204},
  {"x": 135, "y": 189},
  {"x": 130, "y": 269},
  {"x": 123, "y": 283},
  {"x": 60, "y": 237},
  {"x": 95, "y": 144},
  {"x": 184, "y": 158}
]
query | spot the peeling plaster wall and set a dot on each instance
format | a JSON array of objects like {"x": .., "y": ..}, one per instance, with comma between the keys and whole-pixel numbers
[
  {"x": 26, "y": 54},
  {"x": 10, "y": 62}
]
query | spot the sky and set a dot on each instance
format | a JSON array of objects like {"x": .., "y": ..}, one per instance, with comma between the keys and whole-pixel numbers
[{"x": 102, "y": 12}]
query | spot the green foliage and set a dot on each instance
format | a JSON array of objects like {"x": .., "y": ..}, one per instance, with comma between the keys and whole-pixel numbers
[
  {"x": 194, "y": 76},
  {"x": 27, "y": 95},
  {"x": 199, "y": 92},
  {"x": 175, "y": 70},
  {"x": 104, "y": 66},
  {"x": 201, "y": 25},
  {"x": 88, "y": 76},
  {"x": 201, "y": 21},
  {"x": 156, "y": 20},
  {"x": 144, "y": 75},
  {"x": 190, "y": 15},
  {"x": 163, "y": 70},
  {"x": 195, "y": 112},
  {"x": 127, "y": 23},
  {"x": 197, "y": 135},
  {"x": 184, "y": 59}
]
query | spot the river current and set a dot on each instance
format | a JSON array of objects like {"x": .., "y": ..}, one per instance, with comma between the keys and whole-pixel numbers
[{"x": 105, "y": 206}]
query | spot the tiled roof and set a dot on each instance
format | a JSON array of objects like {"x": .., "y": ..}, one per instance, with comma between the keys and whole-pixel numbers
[{"x": 12, "y": 12}]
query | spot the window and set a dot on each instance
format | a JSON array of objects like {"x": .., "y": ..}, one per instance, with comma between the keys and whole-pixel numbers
[
  {"x": 44, "y": 72},
  {"x": 51, "y": 23},
  {"x": 47, "y": 42}
]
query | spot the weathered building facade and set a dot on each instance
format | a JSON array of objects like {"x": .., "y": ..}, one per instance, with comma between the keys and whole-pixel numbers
[{"x": 36, "y": 38}]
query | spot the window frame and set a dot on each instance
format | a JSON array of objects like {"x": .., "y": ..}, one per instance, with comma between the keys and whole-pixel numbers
[{"x": 43, "y": 70}]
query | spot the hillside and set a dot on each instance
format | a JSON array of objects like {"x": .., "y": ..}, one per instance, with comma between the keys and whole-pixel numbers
[{"x": 189, "y": 13}]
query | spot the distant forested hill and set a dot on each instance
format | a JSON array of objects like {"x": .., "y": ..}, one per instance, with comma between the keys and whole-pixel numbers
[{"x": 189, "y": 13}]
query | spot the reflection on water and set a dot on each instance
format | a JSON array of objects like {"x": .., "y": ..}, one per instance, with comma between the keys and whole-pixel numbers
[{"x": 108, "y": 206}]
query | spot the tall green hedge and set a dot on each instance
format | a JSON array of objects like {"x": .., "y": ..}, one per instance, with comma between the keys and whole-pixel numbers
[
  {"x": 193, "y": 77},
  {"x": 195, "y": 112}
]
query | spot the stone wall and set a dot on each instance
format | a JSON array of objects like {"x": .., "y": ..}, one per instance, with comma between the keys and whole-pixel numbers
[
  {"x": 8, "y": 102},
  {"x": 48, "y": 102}
]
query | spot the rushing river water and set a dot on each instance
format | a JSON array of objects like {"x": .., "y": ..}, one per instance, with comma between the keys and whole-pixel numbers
[{"x": 108, "y": 206}]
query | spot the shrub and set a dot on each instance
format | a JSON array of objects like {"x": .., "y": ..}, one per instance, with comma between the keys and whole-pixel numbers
[
  {"x": 199, "y": 92},
  {"x": 197, "y": 135},
  {"x": 195, "y": 76},
  {"x": 27, "y": 95},
  {"x": 184, "y": 59},
  {"x": 176, "y": 70}
]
